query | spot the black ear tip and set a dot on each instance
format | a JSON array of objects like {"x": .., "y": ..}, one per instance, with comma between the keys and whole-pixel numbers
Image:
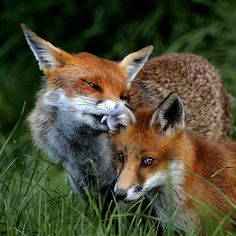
[
  {"x": 176, "y": 98},
  {"x": 174, "y": 108},
  {"x": 175, "y": 95}
]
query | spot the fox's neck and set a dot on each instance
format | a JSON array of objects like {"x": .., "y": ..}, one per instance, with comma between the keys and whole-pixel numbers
[
  {"x": 201, "y": 159},
  {"x": 168, "y": 202},
  {"x": 169, "y": 199}
]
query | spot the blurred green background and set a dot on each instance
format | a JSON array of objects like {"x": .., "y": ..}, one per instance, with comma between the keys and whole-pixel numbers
[
  {"x": 33, "y": 190},
  {"x": 109, "y": 29}
]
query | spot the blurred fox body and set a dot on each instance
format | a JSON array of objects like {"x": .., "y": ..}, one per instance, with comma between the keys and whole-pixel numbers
[
  {"x": 208, "y": 106},
  {"x": 85, "y": 97},
  {"x": 174, "y": 168}
]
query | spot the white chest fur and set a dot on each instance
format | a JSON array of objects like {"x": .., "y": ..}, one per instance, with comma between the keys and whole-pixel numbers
[{"x": 168, "y": 197}]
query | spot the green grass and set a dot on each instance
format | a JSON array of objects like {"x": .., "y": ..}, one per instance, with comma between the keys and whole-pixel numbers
[
  {"x": 31, "y": 203},
  {"x": 35, "y": 199}
]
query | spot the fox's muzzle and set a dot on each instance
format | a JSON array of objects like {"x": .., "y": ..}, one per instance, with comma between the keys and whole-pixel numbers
[{"x": 121, "y": 194}]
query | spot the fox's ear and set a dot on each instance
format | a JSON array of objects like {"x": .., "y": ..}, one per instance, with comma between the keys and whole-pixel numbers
[
  {"x": 133, "y": 62},
  {"x": 48, "y": 56},
  {"x": 169, "y": 116}
]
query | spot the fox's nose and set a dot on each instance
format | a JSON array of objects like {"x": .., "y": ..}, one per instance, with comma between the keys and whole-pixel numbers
[{"x": 121, "y": 195}]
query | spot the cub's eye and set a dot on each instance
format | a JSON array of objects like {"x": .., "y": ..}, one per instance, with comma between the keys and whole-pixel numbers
[
  {"x": 148, "y": 161},
  {"x": 120, "y": 156}
]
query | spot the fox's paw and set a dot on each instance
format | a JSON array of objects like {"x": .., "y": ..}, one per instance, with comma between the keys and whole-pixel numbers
[{"x": 121, "y": 117}]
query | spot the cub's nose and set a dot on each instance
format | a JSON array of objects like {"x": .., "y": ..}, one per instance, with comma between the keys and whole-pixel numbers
[{"x": 121, "y": 195}]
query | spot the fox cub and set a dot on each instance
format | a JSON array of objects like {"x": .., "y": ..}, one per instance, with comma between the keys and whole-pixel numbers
[
  {"x": 156, "y": 151},
  {"x": 85, "y": 97}
]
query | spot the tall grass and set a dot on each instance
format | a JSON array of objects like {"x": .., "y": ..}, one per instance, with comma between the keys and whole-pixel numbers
[
  {"x": 35, "y": 199},
  {"x": 31, "y": 203}
]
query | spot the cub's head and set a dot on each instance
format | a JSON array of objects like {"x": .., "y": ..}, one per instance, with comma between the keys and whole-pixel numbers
[
  {"x": 82, "y": 85},
  {"x": 149, "y": 148}
]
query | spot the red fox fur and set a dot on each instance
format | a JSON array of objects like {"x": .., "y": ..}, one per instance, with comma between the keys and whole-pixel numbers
[
  {"x": 156, "y": 148},
  {"x": 84, "y": 97}
]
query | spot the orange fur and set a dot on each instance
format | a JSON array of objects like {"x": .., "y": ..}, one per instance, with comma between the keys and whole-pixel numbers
[
  {"x": 87, "y": 67},
  {"x": 202, "y": 160},
  {"x": 208, "y": 108},
  {"x": 73, "y": 73},
  {"x": 208, "y": 104}
]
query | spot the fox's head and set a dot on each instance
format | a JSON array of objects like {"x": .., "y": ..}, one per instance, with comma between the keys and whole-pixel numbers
[
  {"x": 149, "y": 149},
  {"x": 82, "y": 85}
]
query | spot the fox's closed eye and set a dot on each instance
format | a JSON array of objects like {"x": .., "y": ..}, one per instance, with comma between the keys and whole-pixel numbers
[
  {"x": 148, "y": 161},
  {"x": 94, "y": 86}
]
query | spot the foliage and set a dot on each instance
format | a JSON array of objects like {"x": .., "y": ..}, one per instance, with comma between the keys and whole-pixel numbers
[
  {"x": 34, "y": 200},
  {"x": 34, "y": 194}
]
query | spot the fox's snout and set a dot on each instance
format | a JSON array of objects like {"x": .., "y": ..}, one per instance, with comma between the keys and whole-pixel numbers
[
  {"x": 128, "y": 193},
  {"x": 131, "y": 194},
  {"x": 121, "y": 194}
]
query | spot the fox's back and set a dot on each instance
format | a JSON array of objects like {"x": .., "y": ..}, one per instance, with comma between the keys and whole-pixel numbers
[
  {"x": 215, "y": 163},
  {"x": 208, "y": 106}
]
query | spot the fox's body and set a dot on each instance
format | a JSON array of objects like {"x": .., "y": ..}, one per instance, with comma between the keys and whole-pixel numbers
[
  {"x": 208, "y": 106},
  {"x": 174, "y": 168},
  {"x": 83, "y": 99}
]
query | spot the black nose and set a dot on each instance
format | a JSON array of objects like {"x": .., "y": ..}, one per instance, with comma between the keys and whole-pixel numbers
[{"x": 121, "y": 195}]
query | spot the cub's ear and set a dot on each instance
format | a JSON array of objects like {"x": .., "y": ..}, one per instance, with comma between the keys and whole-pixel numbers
[
  {"x": 169, "y": 116},
  {"x": 133, "y": 62},
  {"x": 48, "y": 56}
]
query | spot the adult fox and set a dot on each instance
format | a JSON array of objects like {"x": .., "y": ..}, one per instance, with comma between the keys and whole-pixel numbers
[
  {"x": 85, "y": 97},
  {"x": 176, "y": 169}
]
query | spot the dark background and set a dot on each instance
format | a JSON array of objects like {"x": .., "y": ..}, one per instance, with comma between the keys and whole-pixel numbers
[
  {"x": 109, "y": 29},
  {"x": 35, "y": 197}
]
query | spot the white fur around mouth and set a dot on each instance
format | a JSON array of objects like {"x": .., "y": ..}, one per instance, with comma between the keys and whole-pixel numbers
[
  {"x": 160, "y": 178},
  {"x": 133, "y": 195}
]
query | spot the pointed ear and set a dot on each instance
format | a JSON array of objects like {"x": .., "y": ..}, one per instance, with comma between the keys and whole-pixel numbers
[
  {"x": 169, "y": 116},
  {"x": 133, "y": 62},
  {"x": 48, "y": 56}
]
